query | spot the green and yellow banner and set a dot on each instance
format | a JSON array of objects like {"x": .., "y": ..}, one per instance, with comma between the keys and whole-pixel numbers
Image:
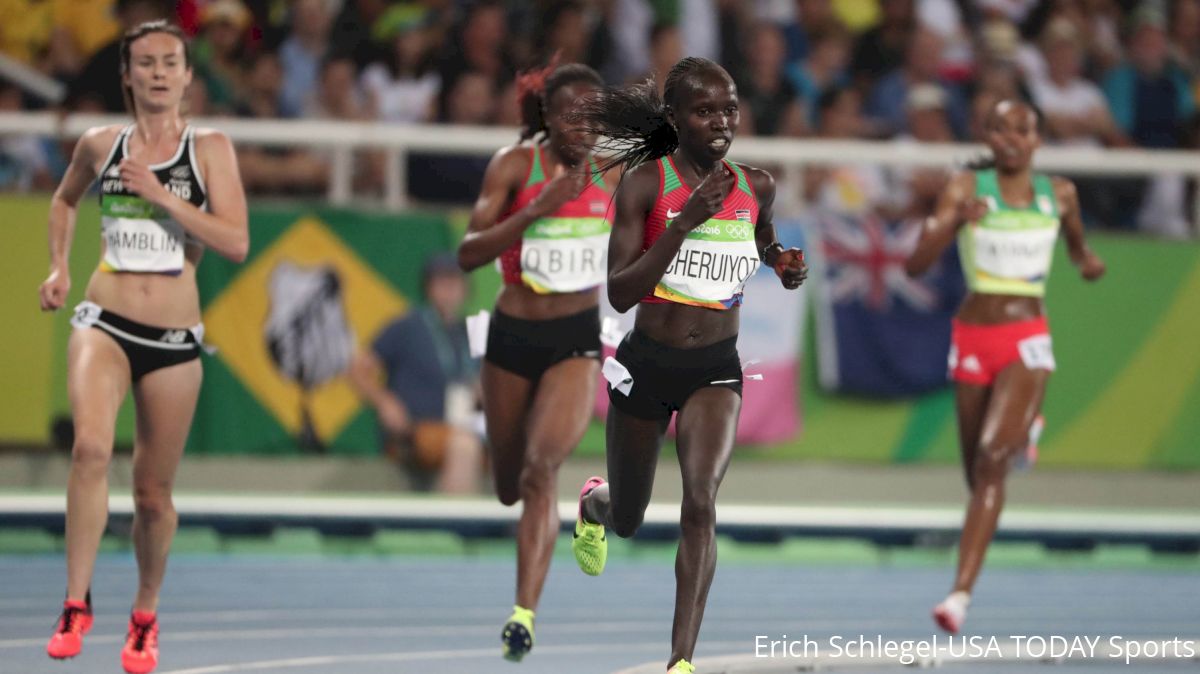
[{"x": 320, "y": 282}]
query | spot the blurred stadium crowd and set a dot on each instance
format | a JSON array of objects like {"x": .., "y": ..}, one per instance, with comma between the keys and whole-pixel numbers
[{"x": 1113, "y": 73}]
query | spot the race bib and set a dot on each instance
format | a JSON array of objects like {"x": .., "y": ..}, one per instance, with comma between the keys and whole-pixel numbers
[
  {"x": 1036, "y": 352},
  {"x": 1015, "y": 254},
  {"x": 565, "y": 255},
  {"x": 139, "y": 238},
  {"x": 712, "y": 266}
]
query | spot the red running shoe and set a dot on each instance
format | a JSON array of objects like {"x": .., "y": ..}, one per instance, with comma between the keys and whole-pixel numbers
[
  {"x": 75, "y": 621},
  {"x": 140, "y": 655}
]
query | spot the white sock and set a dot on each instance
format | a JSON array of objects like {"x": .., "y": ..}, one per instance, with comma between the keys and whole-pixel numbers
[{"x": 957, "y": 602}]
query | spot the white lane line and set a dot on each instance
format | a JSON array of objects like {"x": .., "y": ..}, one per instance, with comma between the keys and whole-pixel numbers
[
  {"x": 882, "y": 516},
  {"x": 477, "y": 653},
  {"x": 343, "y": 632},
  {"x": 813, "y": 625}
]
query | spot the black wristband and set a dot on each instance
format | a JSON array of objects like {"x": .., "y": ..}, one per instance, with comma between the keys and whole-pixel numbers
[{"x": 775, "y": 246}]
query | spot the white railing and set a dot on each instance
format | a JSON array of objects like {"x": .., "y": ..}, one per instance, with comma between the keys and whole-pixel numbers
[{"x": 396, "y": 141}]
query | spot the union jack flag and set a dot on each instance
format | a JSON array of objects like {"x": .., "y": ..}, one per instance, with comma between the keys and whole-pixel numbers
[
  {"x": 880, "y": 333},
  {"x": 864, "y": 257}
]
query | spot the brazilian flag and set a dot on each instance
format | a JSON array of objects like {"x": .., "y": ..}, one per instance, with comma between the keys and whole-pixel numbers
[{"x": 317, "y": 285}]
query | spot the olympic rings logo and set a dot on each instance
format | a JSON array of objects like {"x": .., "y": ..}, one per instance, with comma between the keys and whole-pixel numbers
[{"x": 739, "y": 230}]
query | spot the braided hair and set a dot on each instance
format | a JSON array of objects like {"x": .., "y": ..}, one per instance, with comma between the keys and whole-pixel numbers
[
  {"x": 536, "y": 87},
  {"x": 632, "y": 121}
]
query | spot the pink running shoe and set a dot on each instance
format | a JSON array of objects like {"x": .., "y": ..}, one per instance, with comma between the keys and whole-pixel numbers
[
  {"x": 140, "y": 655},
  {"x": 75, "y": 621}
]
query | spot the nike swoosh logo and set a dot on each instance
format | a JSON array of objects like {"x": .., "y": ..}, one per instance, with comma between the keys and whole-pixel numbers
[{"x": 671, "y": 215}]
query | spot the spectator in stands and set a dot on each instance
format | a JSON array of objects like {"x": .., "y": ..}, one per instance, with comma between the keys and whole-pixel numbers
[
  {"x": 508, "y": 107},
  {"x": 1185, "y": 36},
  {"x": 1150, "y": 97},
  {"x": 420, "y": 379},
  {"x": 1074, "y": 109},
  {"x": 27, "y": 31},
  {"x": 479, "y": 46},
  {"x": 472, "y": 100},
  {"x": 927, "y": 118},
  {"x": 630, "y": 22},
  {"x": 1104, "y": 35},
  {"x": 219, "y": 51},
  {"x": 881, "y": 48},
  {"x": 441, "y": 178},
  {"x": 24, "y": 164},
  {"x": 769, "y": 103},
  {"x": 1096, "y": 24},
  {"x": 280, "y": 168},
  {"x": 666, "y": 48},
  {"x": 403, "y": 87},
  {"x": 916, "y": 188},
  {"x": 825, "y": 67},
  {"x": 887, "y": 97},
  {"x": 700, "y": 32},
  {"x": 851, "y": 190},
  {"x": 263, "y": 82},
  {"x": 810, "y": 17},
  {"x": 81, "y": 28},
  {"x": 365, "y": 27},
  {"x": 1016, "y": 11},
  {"x": 568, "y": 29},
  {"x": 1003, "y": 79},
  {"x": 56, "y": 37},
  {"x": 735, "y": 20},
  {"x": 98, "y": 86},
  {"x": 1000, "y": 69},
  {"x": 303, "y": 52},
  {"x": 945, "y": 19},
  {"x": 337, "y": 96},
  {"x": 1075, "y": 113}
]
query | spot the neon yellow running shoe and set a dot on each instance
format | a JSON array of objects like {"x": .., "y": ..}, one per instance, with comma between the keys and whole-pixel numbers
[
  {"x": 589, "y": 543},
  {"x": 517, "y": 637},
  {"x": 682, "y": 667}
]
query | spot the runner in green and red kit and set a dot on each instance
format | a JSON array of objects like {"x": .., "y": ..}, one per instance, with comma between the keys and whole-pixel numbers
[
  {"x": 1007, "y": 220},
  {"x": 690, "y": 229},
  {"x": 544, "y": 213}
]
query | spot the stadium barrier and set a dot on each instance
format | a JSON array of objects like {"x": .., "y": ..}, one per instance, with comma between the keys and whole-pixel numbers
[
  {"x": 363, "y": 517},
  {"x": 397, "y": 141}
]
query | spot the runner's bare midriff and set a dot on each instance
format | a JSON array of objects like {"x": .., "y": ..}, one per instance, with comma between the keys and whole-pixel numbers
[
  {"x": 159, "y": 300},
  {"x": 683, "y": 326},
  {"x": 990, "y": 309},
  {"x": 521, "y": 302}
]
